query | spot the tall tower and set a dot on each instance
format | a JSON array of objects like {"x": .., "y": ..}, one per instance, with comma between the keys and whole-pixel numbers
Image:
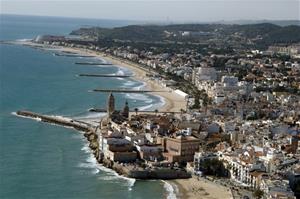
[
  {"x": 125, "y": 112},
  {"x": 110, "y": 104}
]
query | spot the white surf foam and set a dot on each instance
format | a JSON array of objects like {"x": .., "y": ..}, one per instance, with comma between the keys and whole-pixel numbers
[
  {"x": 90, "y": 117},
  {"x": 101, "y": 60},
  {"x": 27, "y": 117},
  {"x": 109, "y": 174},
  {"x": 144, "y": 108},
  {"x": 120, "y": 71},
  {"x": 123, "y": 71},
  {"x": 23, "y": 40},
  {"x": 171, "y": 190},
  {"x": 140, "y": 87},
  {"x": 129, "y": 83}
]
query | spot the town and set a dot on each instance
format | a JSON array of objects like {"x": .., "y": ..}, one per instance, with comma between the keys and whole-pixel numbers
[{"x": 242, "y": 116}]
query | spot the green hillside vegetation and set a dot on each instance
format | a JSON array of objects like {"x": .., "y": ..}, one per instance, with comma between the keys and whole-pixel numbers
[{"x": 263, "y": 34}]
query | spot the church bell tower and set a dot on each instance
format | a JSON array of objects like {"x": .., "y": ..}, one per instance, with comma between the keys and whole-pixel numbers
[{"x": 110, "y": 104}]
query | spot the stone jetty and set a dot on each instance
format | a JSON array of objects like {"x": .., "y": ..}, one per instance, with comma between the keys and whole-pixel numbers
[
  {"x": 131, "y": 170},
  {"x": 88, "y": 129}
]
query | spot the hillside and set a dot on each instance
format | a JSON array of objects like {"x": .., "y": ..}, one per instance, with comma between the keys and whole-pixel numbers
[{"x": 260, "y": 34}]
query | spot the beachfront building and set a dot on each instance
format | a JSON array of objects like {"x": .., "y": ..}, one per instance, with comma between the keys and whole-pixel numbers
[
  {"x": 150, "y": 152},
  {"x": 239, "y": 170},
  {"x": 200, "y": 158},
  {"x": 204, "y": 76},
  {"x": 181, "y": 148},
  {"x": 276, "y": 189},
  {"x": 118, "y": 150}
]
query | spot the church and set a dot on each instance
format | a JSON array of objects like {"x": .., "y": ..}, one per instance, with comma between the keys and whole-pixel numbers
[{"x": 115, "y": 115}]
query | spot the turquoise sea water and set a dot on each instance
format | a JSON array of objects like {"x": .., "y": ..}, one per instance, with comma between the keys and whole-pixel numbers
[{"x": 39, "y": 160}]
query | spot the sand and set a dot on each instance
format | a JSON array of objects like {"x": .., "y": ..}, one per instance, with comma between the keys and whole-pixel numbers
[
  {"x": 193, "y": 188},
  {"x": 173, "y": 102},
  {"x": 187, "y": 188}
]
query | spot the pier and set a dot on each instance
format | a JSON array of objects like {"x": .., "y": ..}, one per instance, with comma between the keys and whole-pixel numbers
[
  {"x": 102, "y": 110},
  {"x": 100, "y": 75},
  {"x": 92, "y": 63},
  {"x": 126, "y": 91},
  {"x": 71, "y": 55},
  {"x": 98, "y": 110}
]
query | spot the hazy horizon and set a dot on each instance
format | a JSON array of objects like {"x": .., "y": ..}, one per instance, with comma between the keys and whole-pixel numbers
[{"x": 155, "y": 11}]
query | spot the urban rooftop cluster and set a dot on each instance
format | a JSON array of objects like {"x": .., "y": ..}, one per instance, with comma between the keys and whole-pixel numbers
[{"x": 242, "y": 119}]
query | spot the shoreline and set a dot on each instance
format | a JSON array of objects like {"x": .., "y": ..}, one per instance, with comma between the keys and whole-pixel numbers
[
  {"x": 178, "y": 188},
  {"x": 172, "y": 102},
  {"x": 139, "y": 75}
]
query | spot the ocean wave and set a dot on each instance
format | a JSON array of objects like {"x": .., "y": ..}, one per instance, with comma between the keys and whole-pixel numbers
[
  {"x": 129, "y": 83},
  {"x": 23, "y": 40},
  {"x": 139, "y": 87},
  {"x": 147, "y": 99},
  {"x": 120, "y": 71},
  {"x": 113, "y": 175},
  {"x": 137, "y": 96},
  {"x": 171, "y": 190},
  {"x": 123, "y": 70},
  {"x": 27, "y": 117},
  {"x": 144, "y": 108},
  {"x": 161, "y": 102},
  {"x": 109, "y": 174},
  {"x": 90, "y": 115},
  {"x": 100, "y": 59}
]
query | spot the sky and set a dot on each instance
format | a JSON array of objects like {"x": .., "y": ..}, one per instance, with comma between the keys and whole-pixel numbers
[{"x": 154, "y": 10}]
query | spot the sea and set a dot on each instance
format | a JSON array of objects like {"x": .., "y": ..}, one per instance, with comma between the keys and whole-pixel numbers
[{"x": 38, "y": 160}]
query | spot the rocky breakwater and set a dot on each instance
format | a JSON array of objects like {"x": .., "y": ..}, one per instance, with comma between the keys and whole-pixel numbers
[
  {"x": 88, "y": 129},
  {"x": 67, "y": 122},
  {"x": 92, "y": 137},
  {"x": 134, "y": 170}
]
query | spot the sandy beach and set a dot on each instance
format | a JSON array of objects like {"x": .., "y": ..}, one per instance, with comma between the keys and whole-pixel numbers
[
  {"x": 173, "y": 102},
  {"x": 193, "y": 188},
  {"x": 183, "y": 188}
]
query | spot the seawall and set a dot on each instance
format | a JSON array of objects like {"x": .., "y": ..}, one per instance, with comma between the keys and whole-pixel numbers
[{"x": 129, "y": 170}]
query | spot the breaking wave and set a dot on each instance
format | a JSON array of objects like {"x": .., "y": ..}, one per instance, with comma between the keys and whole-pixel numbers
[
  {"x": 90, "y": 116},
  {"x": 171, "y": 190},
  {"x": 96, "y": 168}
]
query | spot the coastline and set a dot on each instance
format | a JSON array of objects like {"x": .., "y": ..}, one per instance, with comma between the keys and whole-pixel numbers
[
  {"x": 181, "y": 188},
  {"x": 172, "y": 102}
]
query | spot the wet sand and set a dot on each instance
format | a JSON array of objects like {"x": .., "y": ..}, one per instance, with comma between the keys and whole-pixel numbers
[{"x": 173, "y": 102}]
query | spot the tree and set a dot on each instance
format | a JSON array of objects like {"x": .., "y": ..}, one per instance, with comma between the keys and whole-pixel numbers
[
  {"x": 214, "y": 167},
  {"x": 136, "y": 110},
  {"x": 156, "y": 111},
  {"x": 258, "y": 193}
]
